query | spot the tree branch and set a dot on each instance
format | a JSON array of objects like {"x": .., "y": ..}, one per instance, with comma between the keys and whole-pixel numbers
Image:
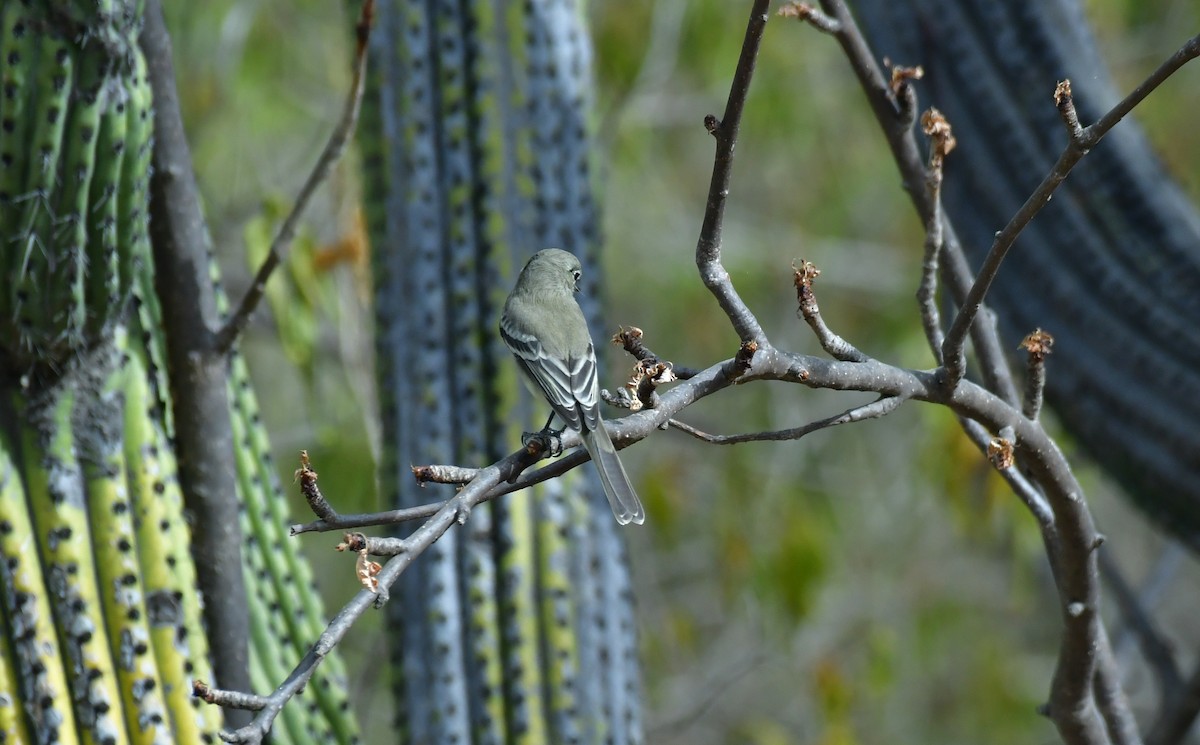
[
  {"x": 197, "y": 371},
  {"x": 708, "y": 246},
  {"x": 334, "y": 148},
  {"x": 1080, "y": 141},
  {"x": 1038, "y": 345},
  {"x": 840, "y": 349},
  {"x": 941, "y": 143},
  {"x": 453, "y": 512},
  {"x": 894, "y": 105},
  {"x": 875, "y": 410}
]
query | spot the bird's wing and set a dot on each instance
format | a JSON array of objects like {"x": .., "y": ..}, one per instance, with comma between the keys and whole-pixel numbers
[{"x": 568, "y": 384}]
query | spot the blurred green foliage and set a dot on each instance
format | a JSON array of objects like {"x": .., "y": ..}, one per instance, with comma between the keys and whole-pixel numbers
[{"x": 869, "y": 584}]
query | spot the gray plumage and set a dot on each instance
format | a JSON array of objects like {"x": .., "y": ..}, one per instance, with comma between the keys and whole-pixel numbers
[{"x": 546, "y": 331}]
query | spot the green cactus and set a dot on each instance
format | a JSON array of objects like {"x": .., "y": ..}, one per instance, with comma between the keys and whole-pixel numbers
[{"x": 101, "y": 627}]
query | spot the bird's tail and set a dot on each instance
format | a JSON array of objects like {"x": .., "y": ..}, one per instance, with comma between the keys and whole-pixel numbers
[{"x": 621, "y": 496}]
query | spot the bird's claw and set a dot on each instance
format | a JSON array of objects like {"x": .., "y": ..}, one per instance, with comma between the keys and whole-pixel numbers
[{"x": 548, "y": 441}]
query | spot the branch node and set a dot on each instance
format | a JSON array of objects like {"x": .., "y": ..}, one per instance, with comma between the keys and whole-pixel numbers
[
  {"x": 744, "y": 358},
  {"x": 1065, "y": 103},
  {"x": 904, "y": 93},
  {"x": 630, "y": 339},
  {"x": 808, "y": 14},
  {"x": 712, "y": 124},
  {"x": 639, "y": 391},
  {"x": 1099, "y": 541},
  {"x": 941, "y": 136},
  {"x": 1076, "y": 609},
  {"x": 312, "y": 493},
  {"x": 352, "y": 542},
  {"x": 1000, "y": 453}
]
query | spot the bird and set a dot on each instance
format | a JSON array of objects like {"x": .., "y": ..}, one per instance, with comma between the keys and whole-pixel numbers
[{"x": 544, "y": 328}]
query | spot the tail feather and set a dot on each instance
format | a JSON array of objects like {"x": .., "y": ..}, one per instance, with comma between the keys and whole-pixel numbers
[{"x": 621, "y": 497}]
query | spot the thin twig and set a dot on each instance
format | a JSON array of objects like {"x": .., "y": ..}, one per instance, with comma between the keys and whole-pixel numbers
[
  {"x": 1038, "y": 344},
  {"x": 334, "y": 148},
  {"x": 368, "y": 519},
  {"x": 631, "y": 340},
  {"x": 893, "y": 103},
  {"x": 810, "y": 15},
  {"x": 840, "y": 349},
  {"x": 228, "y": 699},
  {"x": 1029, "y": 494},
  {"x": 340, "y": 626},
  {"x": 725, "y": 131},
  {"x": 941, "y": 143},
  {"x": 875, "y": 410},
  {"x": 1080, "y": 141}
]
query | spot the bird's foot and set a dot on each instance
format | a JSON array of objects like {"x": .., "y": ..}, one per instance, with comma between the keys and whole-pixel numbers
[{"x": 548, "y": 441}]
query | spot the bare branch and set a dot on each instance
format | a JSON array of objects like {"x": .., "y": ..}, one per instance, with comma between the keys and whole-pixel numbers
[
  {"x": 227, "y": 699},
  {"x": 942, "y": 142},
  {"x": 334, "y": 148},
  {"x": 416, "y": 544},
  {"x": 1081, "y": 683},
  {"x": 199, "y": 379},
  {"x": 366, "y": 520},
  {"x": 708, "y": 246},
  {"x": 811, "y": 16},
  {"x": 1038, "y": 344},
  {"x": 1188, "y": 52},
  {"x": 875, "y": 410},
  {"x": 1066, "y": 109},
  {"x": 1077, "y": 146},
  {"x": 1029, "y": 494},
  {"x": 840, "y": 349},
  {"x": 630, "y": 339},
  {"x": 1084, "y": 678},
  {"x": 894, "y": 106},
  {"x": 1110, "y": 697}
]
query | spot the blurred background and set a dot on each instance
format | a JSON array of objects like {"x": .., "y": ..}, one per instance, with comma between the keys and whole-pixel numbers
[{"x": 867, "y": 584}]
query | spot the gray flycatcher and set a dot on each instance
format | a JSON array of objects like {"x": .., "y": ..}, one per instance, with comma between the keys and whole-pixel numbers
[{"x": 545, "y": 330}]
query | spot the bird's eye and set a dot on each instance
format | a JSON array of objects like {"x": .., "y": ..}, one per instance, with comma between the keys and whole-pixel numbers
[{"x": 576, "y": 274}]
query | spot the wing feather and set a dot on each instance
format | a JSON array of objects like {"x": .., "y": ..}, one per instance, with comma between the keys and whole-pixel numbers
[{"x": 569, "y": 385}]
